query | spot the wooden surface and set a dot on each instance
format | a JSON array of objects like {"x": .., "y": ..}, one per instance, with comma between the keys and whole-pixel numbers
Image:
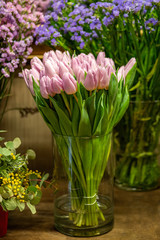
[{"x": 137, "y": 217}]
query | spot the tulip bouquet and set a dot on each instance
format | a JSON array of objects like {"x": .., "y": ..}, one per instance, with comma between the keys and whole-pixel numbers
[
  {"x": 81, "y": 96},
  {"x": 18, "y": 20}
]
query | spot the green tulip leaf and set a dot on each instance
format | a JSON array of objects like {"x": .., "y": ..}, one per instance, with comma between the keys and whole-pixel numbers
[
  {"x": 64, "y": 121},
  {"x": 130, "y": 76},
  {"x": 97, "y": 126},
  {"x": 84, "y": 124},
  {"x": 51, "y": 117},
  {"x": 113, "y": 88},
  {"x": 75, "y": 118}
]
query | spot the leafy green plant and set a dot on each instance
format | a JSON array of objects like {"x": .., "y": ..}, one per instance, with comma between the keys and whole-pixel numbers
[{"x": 19, "y": 186}]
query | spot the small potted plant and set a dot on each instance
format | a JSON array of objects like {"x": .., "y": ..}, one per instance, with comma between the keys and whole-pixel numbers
[{"x": 19, "y": 186}]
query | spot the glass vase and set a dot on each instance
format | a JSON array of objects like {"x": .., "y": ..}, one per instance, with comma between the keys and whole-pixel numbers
[
  {"x": 3, "y": 222},
  {"x": 83, "y": 171},
  {"x": 137, "y": 147}
]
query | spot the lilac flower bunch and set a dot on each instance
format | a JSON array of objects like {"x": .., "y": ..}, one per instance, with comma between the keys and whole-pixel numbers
[
  {"x": 122, "y": 29},
  {"x": 18, "y": 20}
]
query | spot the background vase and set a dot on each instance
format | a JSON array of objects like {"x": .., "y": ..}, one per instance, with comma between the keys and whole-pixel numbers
[
  {"x": 84, "y": 175},
  {"x": 3, "y": 222},
  {"x": 137, "y": 151}
]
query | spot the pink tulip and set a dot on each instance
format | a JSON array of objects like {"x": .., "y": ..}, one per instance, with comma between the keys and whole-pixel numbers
[
  {"x": 29, "y": 75},
  {"x": 53, "y": 55},
  {"x": 100, "y": 57},
  {"x": 45, "y": 56},
  {"x": 80, "y": 75},
  {"x": 36, "y": 63},
  {"x": 25, "y": 74},
  {"x": 91, "y": 80},
  {"x": 49, "y": 69},
  {"x": 90, "y": 55},
  {"x": 48, "y": 87},
  {"x": 129, "y": 65},
  {"x": 68, "y": 67},
  {"x": 121, "y": 73},
  {"x": 59, "y": 55},
  {"x": 104, "y": 75},
  {"x": 43, "y": 87},
  {"x": 108, "y": 62},
  {"x": 66, "y": 57},
  {"x": 48, "y": 55},
  {"x": 42, "y": 73},
  {"x": 104, "y": 62},
  {"x": 55, "y": 64},
  {"x": 92, "y": 63},
  {"x": 75, "y": 64},
  {"x": 56, "y": 84},
  {"x": 69, "y": 83},
  {"x": 86, "y": 66},
  {"x": 62, "y": 69},
  {"x": 82, "y": 57}
]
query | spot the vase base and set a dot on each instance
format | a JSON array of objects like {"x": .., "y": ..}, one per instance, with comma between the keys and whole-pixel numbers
[
  {"x": 84, "y": 232},
  {"x": 64, "y": 225},
  {"x": 125, "y": 186}
]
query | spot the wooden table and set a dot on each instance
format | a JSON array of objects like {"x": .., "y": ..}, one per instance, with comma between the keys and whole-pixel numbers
[{"x": 137, "y": 217}]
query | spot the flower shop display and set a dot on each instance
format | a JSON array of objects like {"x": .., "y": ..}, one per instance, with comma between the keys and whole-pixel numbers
[
  {"x": 122, "y": 29},
  {"x": 81, "y": 100},
  {"x": 18, "y": 20},
  {"x": 19, "y": 186}
]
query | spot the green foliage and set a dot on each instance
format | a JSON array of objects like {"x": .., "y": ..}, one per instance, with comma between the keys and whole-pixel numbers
[{"x": 19, "y": 186}]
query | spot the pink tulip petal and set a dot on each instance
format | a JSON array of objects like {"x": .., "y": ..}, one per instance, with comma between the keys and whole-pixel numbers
[
  {"x": 25, "y": 74},
  {"x": 43, "y": 88},
  {"x": 91, "y": 82},
  {"x": 62, "y": 69},
  {"x": 129, "y": 65},
  {"x": 120, "y": 74},
  {"x": 56, "y": 84},
  {"x": 49, "y": 69},
  {"x": 100, "y": 58},
  {"x": 69, "y": 83}
]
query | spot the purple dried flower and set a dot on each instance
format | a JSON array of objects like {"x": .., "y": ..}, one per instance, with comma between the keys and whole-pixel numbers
[{"x": 18, "y": 22}]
